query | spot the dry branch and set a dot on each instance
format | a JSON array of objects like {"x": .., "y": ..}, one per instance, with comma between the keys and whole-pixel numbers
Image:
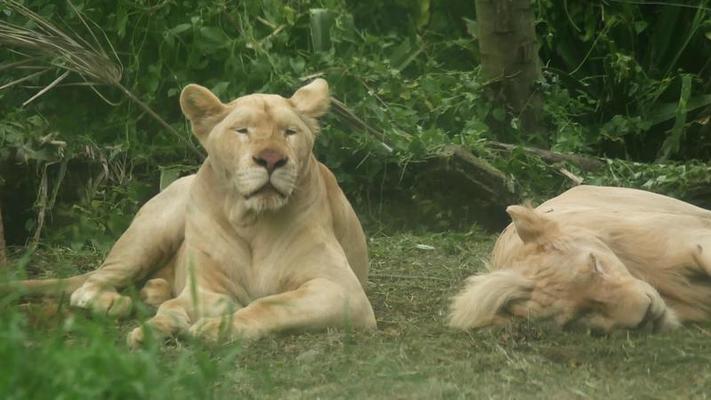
[{"x": 41, "y": 205}]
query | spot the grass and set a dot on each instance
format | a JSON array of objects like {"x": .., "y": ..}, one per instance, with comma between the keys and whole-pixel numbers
[{"x": 411, "y": 356}]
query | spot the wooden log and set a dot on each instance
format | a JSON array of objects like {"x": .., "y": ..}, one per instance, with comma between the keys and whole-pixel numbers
[
  {"x": 467, "y": 187},
  {"x": 491, "y": 183}
]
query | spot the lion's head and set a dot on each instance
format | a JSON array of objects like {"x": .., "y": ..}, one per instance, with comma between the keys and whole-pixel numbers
[
  {"x": 562, "y": 272},
  {"x": 258, "y": 144}
]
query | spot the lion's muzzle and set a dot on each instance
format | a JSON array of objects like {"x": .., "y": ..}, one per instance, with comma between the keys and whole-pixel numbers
[{"x": 269, "y": 181}]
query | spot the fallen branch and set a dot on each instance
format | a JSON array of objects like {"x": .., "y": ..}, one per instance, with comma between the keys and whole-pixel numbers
[
  {"x": 344, "y": 113},
  {"x": 585, "y": 163},
  {"x": 573, "y": 178},
  {"x": 161, "y": 121}
]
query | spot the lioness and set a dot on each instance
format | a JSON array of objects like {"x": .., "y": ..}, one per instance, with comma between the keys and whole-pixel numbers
[
  {"x": 261, "y": 239},
  {"x": 607, "y": 258}
]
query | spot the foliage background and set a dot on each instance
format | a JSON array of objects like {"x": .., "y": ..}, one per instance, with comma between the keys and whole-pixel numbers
[{"x": 626, "y": 81}]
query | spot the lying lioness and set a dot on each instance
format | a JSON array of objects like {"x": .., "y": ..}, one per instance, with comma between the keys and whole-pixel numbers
[
  {"x": 260, "y": 240},
  {"x": 606, "y": 258}
]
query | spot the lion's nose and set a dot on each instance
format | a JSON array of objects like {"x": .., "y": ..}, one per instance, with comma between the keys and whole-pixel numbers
[{"x": 270, "y": 159}]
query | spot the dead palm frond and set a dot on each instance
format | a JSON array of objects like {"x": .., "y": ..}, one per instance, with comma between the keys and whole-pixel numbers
[{"x": 43, "y": 41}]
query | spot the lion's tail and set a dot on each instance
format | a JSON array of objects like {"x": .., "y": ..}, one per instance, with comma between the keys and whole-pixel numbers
[{"x": 45, "y": 287}]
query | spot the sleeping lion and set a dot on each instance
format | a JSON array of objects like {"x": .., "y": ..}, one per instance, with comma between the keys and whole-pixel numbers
[
  {"x": 602, "y": 257},
  {"x": 260, "y": 240}
]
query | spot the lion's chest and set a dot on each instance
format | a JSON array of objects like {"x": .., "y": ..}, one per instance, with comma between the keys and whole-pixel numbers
[
  {"x": 270, "y": 267},
  {"x": 275, "y": 254}
]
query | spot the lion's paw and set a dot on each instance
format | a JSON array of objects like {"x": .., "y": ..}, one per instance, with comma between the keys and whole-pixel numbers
[
  {"x": 136, "y": 338},
  {"x": 210, "y": 329},
  {"x": 101, "y": 300},
  {"x": 156, "y": 292},
  {"x": 226, "y": 328}
]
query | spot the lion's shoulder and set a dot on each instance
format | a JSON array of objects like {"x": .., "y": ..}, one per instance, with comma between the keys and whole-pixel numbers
[{"x": 329, "y": 180}]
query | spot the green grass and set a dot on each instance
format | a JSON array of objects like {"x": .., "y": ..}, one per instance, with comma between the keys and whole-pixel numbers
[{"x": 412, "y": 355}]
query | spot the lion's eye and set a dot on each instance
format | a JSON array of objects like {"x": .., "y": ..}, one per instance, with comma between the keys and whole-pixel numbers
[
  {"x": 289, "y": 131},
  {"x": 243, "y": 131}
]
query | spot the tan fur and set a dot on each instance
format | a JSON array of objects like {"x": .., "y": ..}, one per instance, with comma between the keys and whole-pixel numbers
[
  {"x": 606, "y": 258},
  {"x": 237, "y": 249}
]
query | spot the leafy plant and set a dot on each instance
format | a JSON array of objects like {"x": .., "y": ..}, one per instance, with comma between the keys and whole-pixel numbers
[
  {"x": 634, "y": 63},
  {"x": 621, "y": 81}
]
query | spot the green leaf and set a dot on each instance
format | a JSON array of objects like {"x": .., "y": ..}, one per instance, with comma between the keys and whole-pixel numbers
[
  {"x": 121, "y": 20},
  {"x": 178, "y": 29},
  {"x": 215, "y": 35},
  {"x": 424, "y": 14},
  {"x": 168, "y": 175},
  {"x": 672, "y": 142},
  {"x": 472, "y": 28},
  {"x": 499, "y": 114},
  {"x": 220, "y": 88},
  {"x": 667, "y": 111}
]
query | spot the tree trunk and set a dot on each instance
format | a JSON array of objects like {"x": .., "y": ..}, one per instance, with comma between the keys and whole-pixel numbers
[
  {"x": 3, "y": 256},
  {"x": 509, "y": 56}
]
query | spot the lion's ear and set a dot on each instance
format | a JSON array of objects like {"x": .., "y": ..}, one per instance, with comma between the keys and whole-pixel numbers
[
  {"x": 532, "y": 226},
  {"x": 313, "y": 99},
  {"x": 202, "y": 108}
]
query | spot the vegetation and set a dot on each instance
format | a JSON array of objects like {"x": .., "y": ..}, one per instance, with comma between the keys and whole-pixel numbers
[
  {"x": 625, "y": 88},
  {"x": 621, "y": 81}
]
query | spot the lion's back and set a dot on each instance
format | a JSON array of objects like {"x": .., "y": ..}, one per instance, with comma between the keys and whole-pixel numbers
[
  {"x": 621, "y": 199},
  {"x": 611, "y": 212}
]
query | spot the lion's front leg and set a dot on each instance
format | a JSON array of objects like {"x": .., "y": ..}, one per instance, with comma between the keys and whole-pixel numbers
[
  {"x": 317, "y": 304},
  {"x": 153, "y": 238}
]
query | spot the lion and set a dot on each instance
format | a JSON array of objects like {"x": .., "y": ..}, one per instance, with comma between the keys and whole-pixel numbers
[
  {"x": 260, "y": 240},
  {"x": 603, "y": 258}
]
